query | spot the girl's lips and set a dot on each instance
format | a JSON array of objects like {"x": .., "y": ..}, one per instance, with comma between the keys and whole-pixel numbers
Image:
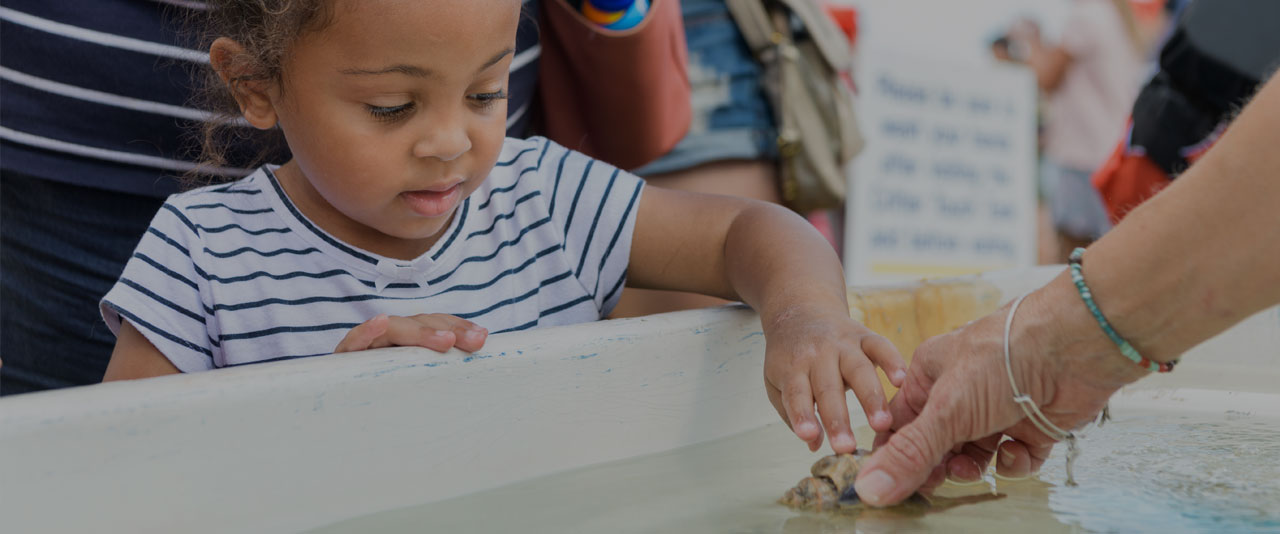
[{"x": 428, "y": 203}]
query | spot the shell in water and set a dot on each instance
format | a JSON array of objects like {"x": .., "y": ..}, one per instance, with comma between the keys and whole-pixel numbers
[{"x": 831, "y": 489}]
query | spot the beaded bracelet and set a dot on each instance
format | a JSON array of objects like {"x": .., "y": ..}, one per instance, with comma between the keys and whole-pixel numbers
[{"x": 1077, "y": 275}]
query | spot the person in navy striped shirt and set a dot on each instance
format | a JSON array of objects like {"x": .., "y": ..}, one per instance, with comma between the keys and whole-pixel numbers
[{"x": 406, "y": 218}]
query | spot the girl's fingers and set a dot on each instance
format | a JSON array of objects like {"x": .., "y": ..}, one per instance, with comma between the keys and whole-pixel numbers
[
  {"x": 861, "y": 377},
  {"x": 413, "y": 332},
  {"x": 468, "y": 336},
  {"x": 829, "y": 387},
  {"x": 363, "y": 335},
  {"x": 797, "y": 400},
  {"x": 775, "y": 398},
  {"x": 882, "y": 353}
]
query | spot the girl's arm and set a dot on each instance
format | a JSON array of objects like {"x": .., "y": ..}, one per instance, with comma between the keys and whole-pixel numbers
[
  {"x": 135, "y": 357},
  {"x": 775, "y": 261}
]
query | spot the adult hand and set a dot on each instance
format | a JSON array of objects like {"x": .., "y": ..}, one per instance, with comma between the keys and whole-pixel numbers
[
  {"x": 435, "y": 331},
  {"x": 957, "y": 403},
  {"x": 815, "y": 356}
]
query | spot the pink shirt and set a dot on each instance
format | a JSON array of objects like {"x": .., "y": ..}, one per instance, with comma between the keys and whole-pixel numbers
[{"x": 1087, "y": 112}]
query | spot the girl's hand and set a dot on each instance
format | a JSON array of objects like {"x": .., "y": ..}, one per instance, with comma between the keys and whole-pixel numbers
[
  {"x": 435, "y": 331},
  {"x": 812, "y": 356}
]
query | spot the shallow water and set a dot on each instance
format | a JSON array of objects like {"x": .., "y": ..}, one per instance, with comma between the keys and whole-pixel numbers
[{"x": 1151, "y": 469}]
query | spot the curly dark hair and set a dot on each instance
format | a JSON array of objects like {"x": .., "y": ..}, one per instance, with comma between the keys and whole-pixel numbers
[{"x": 265, "y": 29}]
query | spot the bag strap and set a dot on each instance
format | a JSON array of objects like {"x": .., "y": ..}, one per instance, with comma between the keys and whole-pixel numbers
[
  {"x": 831, "y": 42},
  {"x": 758, "y": 28}
]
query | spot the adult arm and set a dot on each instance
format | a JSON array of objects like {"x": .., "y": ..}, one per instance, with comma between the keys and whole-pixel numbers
[{"x": 1197, "y": 258}]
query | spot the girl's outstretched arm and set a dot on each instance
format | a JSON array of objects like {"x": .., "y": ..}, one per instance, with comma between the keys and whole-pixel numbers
[{"x": 776, "y": 262}]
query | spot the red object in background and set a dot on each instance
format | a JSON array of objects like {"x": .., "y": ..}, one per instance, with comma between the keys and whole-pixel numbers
[
  {"x": 846, "y": 17},
  {"x": 1147, "y": 9},
  {"x": 1127, "y": 180}
]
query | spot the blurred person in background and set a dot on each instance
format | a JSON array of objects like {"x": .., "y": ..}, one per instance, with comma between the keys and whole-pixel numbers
[
  {"x": 1216, "y": 56},
  {"x": 1090, "y": 77}
]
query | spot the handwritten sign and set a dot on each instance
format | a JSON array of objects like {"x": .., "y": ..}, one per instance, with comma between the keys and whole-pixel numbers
[{"x": 946, "y": 183}]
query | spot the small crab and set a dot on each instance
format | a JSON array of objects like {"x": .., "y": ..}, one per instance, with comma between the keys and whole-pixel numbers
[{"x": 831, "y": 489}]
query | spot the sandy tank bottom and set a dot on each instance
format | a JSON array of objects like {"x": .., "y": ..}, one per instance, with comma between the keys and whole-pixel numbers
[{"x": 1172, "y": 461}]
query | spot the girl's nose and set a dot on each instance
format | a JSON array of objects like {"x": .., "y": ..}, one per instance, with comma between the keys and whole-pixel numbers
[{"x": 446, "y": 139}]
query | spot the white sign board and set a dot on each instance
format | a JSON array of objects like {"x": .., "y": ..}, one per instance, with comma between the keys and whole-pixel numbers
[{"x": 946, "y": 183}]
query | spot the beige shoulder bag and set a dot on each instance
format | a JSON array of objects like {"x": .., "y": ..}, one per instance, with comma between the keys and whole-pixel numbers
[{"x": 804, "y": 56}]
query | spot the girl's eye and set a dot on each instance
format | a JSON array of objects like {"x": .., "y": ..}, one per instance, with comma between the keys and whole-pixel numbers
[
  {"x": 486, "y": 100},
  {"x": 389, "y": 113}
]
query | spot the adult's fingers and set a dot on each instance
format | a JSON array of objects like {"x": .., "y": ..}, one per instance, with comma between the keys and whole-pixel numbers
[
  {"x": 972, "y": 459},
  {"x": 904, "y": 463},
  {"x": 1019, "y": 459},
  {"x": 363, "y": 335}
]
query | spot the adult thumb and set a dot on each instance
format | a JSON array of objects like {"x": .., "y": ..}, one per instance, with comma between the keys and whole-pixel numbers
[{"x": 903, "y": 464}]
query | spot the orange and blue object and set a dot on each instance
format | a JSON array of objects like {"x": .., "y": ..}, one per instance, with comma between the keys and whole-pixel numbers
[{"x": 615, "y": 14}]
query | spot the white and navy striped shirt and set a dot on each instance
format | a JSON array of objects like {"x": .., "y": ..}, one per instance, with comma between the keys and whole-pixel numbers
[{"x": 233, "y": 274}]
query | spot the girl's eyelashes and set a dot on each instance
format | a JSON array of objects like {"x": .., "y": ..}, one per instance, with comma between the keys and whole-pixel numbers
[
  {"x": 389, "y": 113},
  {"x": 486, "y": 100},
  {"x": 393, "y": 113}
]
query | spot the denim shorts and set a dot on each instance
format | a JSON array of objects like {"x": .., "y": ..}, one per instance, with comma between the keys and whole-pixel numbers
[
  {"x": 732, "y": 118},
  {"x": 1077, "y": 207}
]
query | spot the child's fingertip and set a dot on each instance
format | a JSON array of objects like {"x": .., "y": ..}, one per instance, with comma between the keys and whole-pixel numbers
[
  {"x": 899, "y": 377},
  {"x": 881, "y": 421}
]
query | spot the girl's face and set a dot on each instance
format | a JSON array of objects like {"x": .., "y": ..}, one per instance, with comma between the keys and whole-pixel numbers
[{"x": 395, "y": 112}]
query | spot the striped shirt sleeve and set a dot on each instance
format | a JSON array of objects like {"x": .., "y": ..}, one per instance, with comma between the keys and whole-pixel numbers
[
  {"x": 159, "y": 292},
  {"x": 593, "y": 205}
]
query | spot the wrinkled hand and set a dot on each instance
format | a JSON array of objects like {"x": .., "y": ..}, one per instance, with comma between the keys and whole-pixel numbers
[
  {"x": 435, "y": 331},
  {"x": 957, "y": 403},
  {"x": 815, "y": 357}
]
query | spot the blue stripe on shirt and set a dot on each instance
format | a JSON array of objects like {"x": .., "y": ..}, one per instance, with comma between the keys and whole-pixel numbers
[
  {"x": 287, "y": 330},
  {"x": 284, "y": 198},
  {"x": 234, "y": 226},
  {"x": 152, "y": 230},
  {"x": 497, "y": 190},
  {"x": 167, "y": 271},
  {"x": 137, "y": 321},
  {"x": 518, "y": 299},
  {"x": 551, "y": 208},
  {"x": 166, "y": 302},
  {"x": 586, "y": 246},
  {"x": 495, "y": 252},
  {"x": 618, "y": 233},
  {"x": 266, "y": 254},
  {"x": 573, "y": 206},
  {"x": 461, "y": 214},
  {"x": 504, "y": 216},
  {"x": 513, "y": 160},
  {"x": 229, "y": 208}
]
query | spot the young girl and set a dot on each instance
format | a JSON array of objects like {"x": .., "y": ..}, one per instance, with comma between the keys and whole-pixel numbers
[{"x": 405, "y": 218}]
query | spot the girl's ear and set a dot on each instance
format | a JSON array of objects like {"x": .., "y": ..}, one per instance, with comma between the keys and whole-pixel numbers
[{"x": 251, "y": 94}]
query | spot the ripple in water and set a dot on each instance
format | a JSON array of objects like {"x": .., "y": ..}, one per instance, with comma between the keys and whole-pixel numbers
[{"x": 1173, "y": 473}]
